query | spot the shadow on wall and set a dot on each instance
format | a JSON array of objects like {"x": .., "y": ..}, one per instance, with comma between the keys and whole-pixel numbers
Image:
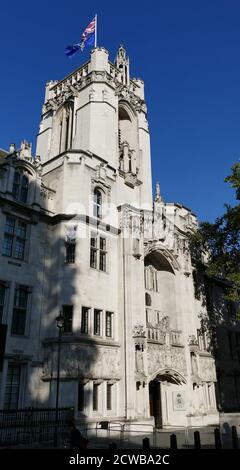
[
  {"x": 78, "y": 352},
  {"x": 220, "y": 332}
]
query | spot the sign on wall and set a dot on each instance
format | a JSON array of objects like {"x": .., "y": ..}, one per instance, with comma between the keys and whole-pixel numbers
[{"x": 179, "y": 401}]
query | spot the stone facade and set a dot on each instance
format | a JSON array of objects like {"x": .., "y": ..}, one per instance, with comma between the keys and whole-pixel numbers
[{"x": 80, "y": 233}]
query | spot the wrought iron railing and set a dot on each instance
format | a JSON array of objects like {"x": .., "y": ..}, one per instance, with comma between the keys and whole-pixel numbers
[{"x": 33, "y": 425}]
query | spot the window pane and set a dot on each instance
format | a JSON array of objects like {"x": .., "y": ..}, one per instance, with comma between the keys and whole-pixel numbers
[
  {"x": 16, "y": 184},
  {"x": 68, "y": 316},
  {"x": 102, "y": 261},
  {"x": 84, "y": 323},
  {"x": 97, "y": 319},
  {"x": 109, "y": 324},
  {"x": 14, "y": 238},
  {"x": 20, "y": 186},
  {"x": 18, "y": 321},
  {"x": 10, "y": 223},
  {"x": 102, "y": 243},
  {"x": 94, "y": 242},
  {"x": 70, "y": 253},
  {"x": 97, "y": 204},
  {"x": 80, "y": 397},
  {"x": 20, "y": 297},
  {"x": 147, "y": 315},
  {"x": 23, "y": 194},
  {"x": 98, "y": 197},
  {"x": 95, "y": 397},
  {"x": 99, "y": 211},
  {"x": 19, "y": 248},
  {"x": 7, "y": 245},
  {"x": 21, "y": 229},
  {"x": 109, "y": 396},
  {"x": 93, "y": 258},
  {"x": 12, "y": 387},
  {"x": 19, "y": 311}
]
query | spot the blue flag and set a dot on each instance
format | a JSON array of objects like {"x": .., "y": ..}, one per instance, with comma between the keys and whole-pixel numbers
[{"x": 71, "y": 50}]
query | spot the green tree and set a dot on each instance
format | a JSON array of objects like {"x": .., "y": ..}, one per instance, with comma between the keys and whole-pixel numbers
[{"x": 218, "y": 243}]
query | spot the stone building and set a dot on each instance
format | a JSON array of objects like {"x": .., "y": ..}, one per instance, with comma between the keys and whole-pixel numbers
[{"x": 80, "y": 233}]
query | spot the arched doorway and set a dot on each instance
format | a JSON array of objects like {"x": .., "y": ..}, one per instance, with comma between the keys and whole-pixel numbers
[{"x": 157, "y": 394}]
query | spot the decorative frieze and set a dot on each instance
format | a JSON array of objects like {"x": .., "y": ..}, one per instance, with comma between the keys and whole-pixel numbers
[
  {"x": 88, "y": 361},
  {"x": 161, "y": 356}
]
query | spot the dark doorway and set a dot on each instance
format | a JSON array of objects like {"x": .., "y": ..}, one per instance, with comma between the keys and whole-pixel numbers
[{"x": 155, "y": 402}]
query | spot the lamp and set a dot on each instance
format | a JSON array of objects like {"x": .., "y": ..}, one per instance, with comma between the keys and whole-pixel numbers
[
  {"x": 60, "y": 326},
  {"x": 60, "y": 321}
]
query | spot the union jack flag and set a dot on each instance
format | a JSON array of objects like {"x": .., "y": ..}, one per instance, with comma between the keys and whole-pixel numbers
[
  {"x": 88, "y": 36},
  {"x": 87, "y": 39}
]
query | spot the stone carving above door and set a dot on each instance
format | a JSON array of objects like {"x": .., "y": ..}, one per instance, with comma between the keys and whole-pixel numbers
[{"x": 161, "y": 356}]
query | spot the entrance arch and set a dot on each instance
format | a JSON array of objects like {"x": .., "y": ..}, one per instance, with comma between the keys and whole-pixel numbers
[{"x": 156, "y": 382}]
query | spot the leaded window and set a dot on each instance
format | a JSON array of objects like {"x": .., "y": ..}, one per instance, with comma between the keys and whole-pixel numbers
[
  {"x": 20, "y": 310},
  {"x": 97, "y": 203},
  {"x": 11, "y": 398},
  {"x": 20, "y": 186},
  {"x": 14, "y": 240},
  {"x": 109, "y": 324},
  {"x": 98, "y": 252},
  {"x": 84, "y": 320}
]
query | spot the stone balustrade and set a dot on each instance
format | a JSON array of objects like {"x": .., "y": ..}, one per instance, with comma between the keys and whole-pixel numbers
[
  {"x": 176, "y": 338},
  {"x": 154, "y": 334},
  {"x": 173, "y": 337},
  {"x": 72, "y": 79}
]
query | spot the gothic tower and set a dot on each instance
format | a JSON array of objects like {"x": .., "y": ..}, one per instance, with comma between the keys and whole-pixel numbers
[
  {"x": 90, "y": 242},
  {"x": 95, "y": 149}
]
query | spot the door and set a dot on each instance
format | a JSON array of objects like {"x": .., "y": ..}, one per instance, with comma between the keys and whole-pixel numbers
[{"x": 155, "y": 402}]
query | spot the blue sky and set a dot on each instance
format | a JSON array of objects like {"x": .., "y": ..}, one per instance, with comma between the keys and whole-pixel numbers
[{"x": 186, "y": 51}]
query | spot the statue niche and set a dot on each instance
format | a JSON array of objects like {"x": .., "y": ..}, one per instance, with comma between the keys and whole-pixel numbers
[{"x": 139, "y": 363}]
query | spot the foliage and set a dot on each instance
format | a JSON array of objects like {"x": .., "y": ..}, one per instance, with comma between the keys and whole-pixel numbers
[
  {"x": 234, "y": 179},
  {"x": 216, "y": 246}
]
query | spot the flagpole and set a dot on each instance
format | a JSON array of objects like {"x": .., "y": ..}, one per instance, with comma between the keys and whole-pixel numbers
[{"x": 95, "y": 43}]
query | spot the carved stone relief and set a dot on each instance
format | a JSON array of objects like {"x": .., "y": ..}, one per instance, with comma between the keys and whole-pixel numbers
[
  {"x": 160, "y": 357},
  {"x": 207, "y": 371},
  {"x": 47, "y": 193},
  {"x": 83, "y": 361}
]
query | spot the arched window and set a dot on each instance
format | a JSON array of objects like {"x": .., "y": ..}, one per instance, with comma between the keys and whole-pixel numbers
[
  {"x": 124, "y": 127},
  {"x": 65, "y": 127},
  {"x": 20, "y": 186},
  {"x": 97, "y": 203}
]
